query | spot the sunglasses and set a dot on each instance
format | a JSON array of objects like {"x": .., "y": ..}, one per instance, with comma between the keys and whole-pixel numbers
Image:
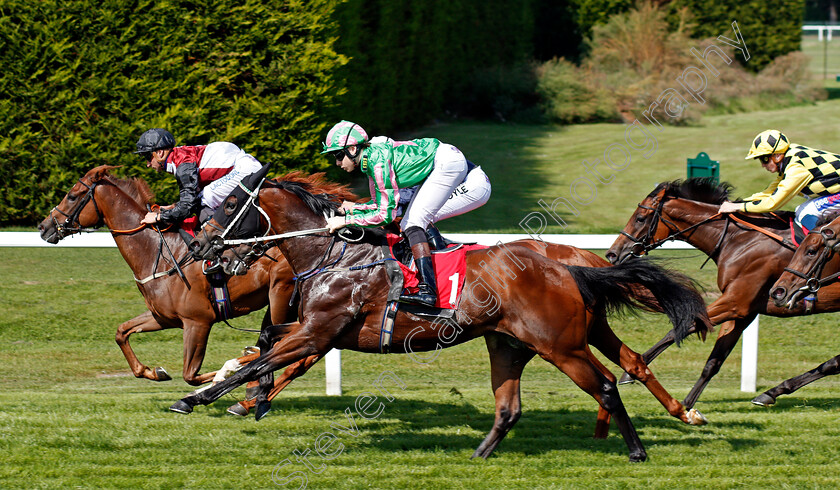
[
  {"x": 340, "y": 154},
  {"x": 764, "y": 160},
  {"x": 145, "y": 156}
]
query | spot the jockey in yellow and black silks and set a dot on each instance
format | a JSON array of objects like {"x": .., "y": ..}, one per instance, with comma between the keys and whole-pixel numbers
[{"x": 801, "y": 170}]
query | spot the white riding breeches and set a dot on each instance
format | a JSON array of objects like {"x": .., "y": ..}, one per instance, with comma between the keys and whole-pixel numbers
[
  {"x": 220, "y": 154},
  {"x": 810, "y": 211},
  {"x": 449, "y": 190}
]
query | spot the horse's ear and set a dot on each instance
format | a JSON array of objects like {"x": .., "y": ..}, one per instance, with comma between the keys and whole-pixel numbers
[{"x": 100, "y": 172}]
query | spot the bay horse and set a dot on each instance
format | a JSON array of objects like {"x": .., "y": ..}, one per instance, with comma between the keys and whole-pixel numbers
[
  {"x": 814, "y": 266},
  {"x": 99, "y": 198},
  {"x": 749, "y": 251},
  {"x": 533, "y": 305}
]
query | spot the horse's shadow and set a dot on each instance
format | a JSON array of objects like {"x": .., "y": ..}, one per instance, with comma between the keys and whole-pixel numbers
[{"x": 457, "y": 426}]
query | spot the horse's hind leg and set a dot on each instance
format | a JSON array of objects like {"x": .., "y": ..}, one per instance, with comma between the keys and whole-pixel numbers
[
  {"x": 658, "y": 348},
  {"x": 506, "y": 364},
  {"x": 828, "y": 368},
  {"x": 142, "y": 323},
  {"x": 578, "y": 367},
  {"x": 603, "y": 338}
]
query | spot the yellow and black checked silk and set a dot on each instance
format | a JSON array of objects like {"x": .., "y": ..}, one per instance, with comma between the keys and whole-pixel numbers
[{"x": 822, "y": 165}]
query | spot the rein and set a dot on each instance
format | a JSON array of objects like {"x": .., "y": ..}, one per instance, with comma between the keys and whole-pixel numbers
[
  {"x": 645, "y": 244},
  {"x": 71, "y": 225}
]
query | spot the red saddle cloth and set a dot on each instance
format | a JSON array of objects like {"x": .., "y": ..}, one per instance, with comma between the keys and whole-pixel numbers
[{"x": 450, "y": 271}]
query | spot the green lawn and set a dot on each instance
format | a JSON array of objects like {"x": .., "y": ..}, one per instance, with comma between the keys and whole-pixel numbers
[
  {"x": 73, "y": 416},
  {"x": 527, "y": 164}
]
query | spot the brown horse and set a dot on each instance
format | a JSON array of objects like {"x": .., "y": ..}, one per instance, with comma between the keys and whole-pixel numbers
[
  {"x": 749, "y": 260},
  {"x": 520, "y": 301},
  {"x": 814, "y": 266},
  {"x": 99, "y": 198}
]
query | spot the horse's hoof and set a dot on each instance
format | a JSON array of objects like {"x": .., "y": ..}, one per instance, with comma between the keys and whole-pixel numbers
[
  {"x": 696, "y": 418},
  {"x": 161, "y": 374},
  {"x": 237, "y": 409},
  {"x": 626, "y": 379},
  {"x": 261, "y": 409},
  {"x": 764, "y": 400},
  {"x": 181, "y": 407},
  {"x": 638, "y": 457}
]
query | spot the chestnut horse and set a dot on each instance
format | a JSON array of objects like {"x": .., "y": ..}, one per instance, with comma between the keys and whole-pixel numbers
[
  {"x": 814, "y": 266},
  {"x": 749, "y": 261},
  {"x": 99, "y": 198},
  {"x": 532, "y": 306}
]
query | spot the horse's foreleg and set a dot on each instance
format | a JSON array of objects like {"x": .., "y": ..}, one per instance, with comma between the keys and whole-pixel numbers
[
  {"x": 828, "y": 368},
  {"x": 290, "y": 374},
  {"x": 603, "y": 338},
  {"x": 143, "y": 323},
  {"x": 506, "y": 364},
  {"x": 291, "y": 349},
  {"x": 729, "y": 334}
]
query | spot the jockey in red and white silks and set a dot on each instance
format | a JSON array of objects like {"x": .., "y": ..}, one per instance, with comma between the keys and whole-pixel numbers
[
  {"x": 221, "y": 166},
  {"x": 206, "y": 174}
]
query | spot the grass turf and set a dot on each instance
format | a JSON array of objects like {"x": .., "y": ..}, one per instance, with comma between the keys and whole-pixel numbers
[{"x": 73, "y": 415}]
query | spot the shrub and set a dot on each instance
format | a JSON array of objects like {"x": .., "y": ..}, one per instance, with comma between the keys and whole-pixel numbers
[
  {"x": 83, "y": 79},
  {"x": 572, "y": 95}
]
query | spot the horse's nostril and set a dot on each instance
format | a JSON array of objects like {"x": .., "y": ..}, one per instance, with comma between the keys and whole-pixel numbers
[{"x": 779, "y": 293}]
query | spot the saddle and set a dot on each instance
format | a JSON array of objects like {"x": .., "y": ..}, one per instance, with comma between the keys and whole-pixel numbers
[{"x": 450, "y": 269}]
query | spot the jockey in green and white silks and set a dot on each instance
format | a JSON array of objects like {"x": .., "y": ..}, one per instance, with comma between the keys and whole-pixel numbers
[
  {"x": 801, "y": 170},
  {"x": 429, "y": 179}
]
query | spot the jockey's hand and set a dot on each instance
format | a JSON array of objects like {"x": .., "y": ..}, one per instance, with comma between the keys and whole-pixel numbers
[
  {"x": 730, "y": 207},
  {"x": 150, "y": 218},
  {"x": 346, "y": 206},
  {"x": 335, "y": 223}
]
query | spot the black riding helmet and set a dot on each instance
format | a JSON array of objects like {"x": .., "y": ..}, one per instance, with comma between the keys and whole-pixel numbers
[{"x": 155, "y": 139}]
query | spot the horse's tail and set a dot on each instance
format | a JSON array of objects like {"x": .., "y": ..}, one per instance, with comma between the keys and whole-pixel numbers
[{"x": 642, "y": 284}]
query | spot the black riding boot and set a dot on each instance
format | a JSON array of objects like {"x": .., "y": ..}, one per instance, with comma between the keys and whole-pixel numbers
[
  {"x": 436, "y": 240},
  {"x": 427, "y": 289}
]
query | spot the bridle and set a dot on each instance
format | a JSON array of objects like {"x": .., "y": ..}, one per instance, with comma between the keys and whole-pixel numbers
[
  {"x": 71, "y": 223},
  {"x": 260, "y": 244},
  {"x": 813, "y": 282},
  {"x": 643, "y": 245}
]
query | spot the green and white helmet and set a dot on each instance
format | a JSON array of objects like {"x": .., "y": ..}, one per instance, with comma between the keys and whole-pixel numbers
[{"x": 344, "y": 134}]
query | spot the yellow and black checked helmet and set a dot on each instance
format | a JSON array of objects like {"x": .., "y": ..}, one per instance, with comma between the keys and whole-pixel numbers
[{"x": 768, "y": 142}]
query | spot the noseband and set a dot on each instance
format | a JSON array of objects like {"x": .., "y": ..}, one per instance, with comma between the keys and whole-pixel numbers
[{"x": 71, "y": 223}]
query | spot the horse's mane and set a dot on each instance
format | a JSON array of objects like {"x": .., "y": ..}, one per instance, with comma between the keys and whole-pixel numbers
[
  {"x": 319, "y": 204},
  {"x": 136, "y": 188},
  {"x": 696, "y": 189},
  {"x": 318, "y": 184}
]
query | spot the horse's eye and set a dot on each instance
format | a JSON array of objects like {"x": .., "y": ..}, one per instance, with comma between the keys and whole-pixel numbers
[
  {"x": 230, "y": 205},
  {"x": 811, "y": 251},
  {"x": 641, "y": 219}
]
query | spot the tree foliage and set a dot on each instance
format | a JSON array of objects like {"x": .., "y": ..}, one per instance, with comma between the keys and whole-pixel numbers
[{"x": 83, "y": 79}]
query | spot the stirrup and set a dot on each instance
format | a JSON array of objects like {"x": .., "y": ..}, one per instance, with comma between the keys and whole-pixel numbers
[{"x": 423, "y": 296}]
